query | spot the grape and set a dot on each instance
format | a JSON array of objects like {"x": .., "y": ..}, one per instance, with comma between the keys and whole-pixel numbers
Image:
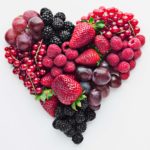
[
  {"x": 10, "y": 37},
  {"x": 115, "y": 81},
  {"x": 94, "y": 97},
  {"x": 104, "y": 90},
  {"x": 95, "y": 107},
  {"x": 36, "y": 24},
  {"x": 86, "y": 87},
  {"x": 29, "y": 14},
  {"x": 36, "y": 35},
  {"x": 84, "y": 74},
  {"x": 23, "y": 41},
  {"x": 101, "y": 76},
  {"x": 104, "y": 64},
  {"x": 19, "y": 24}
]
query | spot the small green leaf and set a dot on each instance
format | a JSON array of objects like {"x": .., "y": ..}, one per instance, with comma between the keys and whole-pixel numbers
[
  {"x": 98, "y": 63},
  {"x": 100, "y": 25},
  {"x": 38, "y": 97},
  {"x": 91, "y": 20},
  {"x": 73, "y": 106},
  {"x": 78, "y": 103},
  {"x": 43, "y": 97},
  {"x": 84, "y": 21}
]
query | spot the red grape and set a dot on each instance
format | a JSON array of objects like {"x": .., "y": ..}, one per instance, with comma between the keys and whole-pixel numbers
[{"x": 10, "y": 37}]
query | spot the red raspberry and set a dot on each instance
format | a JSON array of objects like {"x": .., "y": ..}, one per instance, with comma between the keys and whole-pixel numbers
[
  {"x": 60, "y": 60},
  {"x": 127, "y": 54},
  {"x": 72, "y": 76},
  {"x": 134, "y": 43},
  {"x": 47, "y": 62},
  {"x": 125, "y": 76},
  {"x": 116, "y": 43},
  {"x": 70, "y": 67},
  {"x": 141, "y": 38},
  {"x": 132, "y": 64},
  {"x": 137, "y": 54},
  {"x": 47, "y": 80},
  {"x": 71, "y": 54},
  {"x": 113, "y": 59},
  {"x": 125, "y": 44},
  {"x": 53, "y": 50},
  {"x": 55, "y": 71},
  {"x": 65, "y": 46},
  {"x": 123, "y": 67}
]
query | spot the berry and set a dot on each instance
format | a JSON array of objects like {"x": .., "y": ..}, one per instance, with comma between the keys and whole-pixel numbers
[
  {"x": 132, "y": 64},
  {"x": 47, "y": 80},
  {"x": 47, "y": 32},
  {"x": 90, "y": 114},
  {"x": 71, "y": 54},
  {"x": 27, "y": 15},
  {"x": 69, "y": 26},
  {"x": 59, "y": 113},
  {"x": 47, "y": 62},
  {"x": 68, "y": 111},
  {"x": 125, "y": 44},
  {"x": 137, "y": 54},
  {"x": 141, "y": 38},
  {"x": 65, "y": 35},
  {"x": 127, "y": 54},
  {"x": 71, "y": 132},
  {"x": 77, "y": 138},
  {"x": 116, "y": 43},
  {"x": 102, "y": 44},
  {"x": 134, "y": 43},
  {"x": 113, "y": 59},
  {"x": 125, "y": 76},
  {"x": 55, "y": 71},
  {"x": 80, "y": 117},
  {"x": 60, "y": 15},
  {"x": 84, "y": 104},
  {"x": 115, "y": 81},
  {"x": 70, "y": 67},
  {"x": 57, "y": 23},
  {"x": 123, "y": 67},
  {"x": 11, "y": 36},
  {"x": 55, "y": 40},
  {"x": 81, "y": 127},
  {"x": 43, "y": 10},
  {"x": 56, "y": 123},
  {"x": 47, "y": 17},
  {"x": 60, "y": 60}
]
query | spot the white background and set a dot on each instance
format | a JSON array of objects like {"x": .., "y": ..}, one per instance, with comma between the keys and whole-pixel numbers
[{"x": 123, "y": 123}]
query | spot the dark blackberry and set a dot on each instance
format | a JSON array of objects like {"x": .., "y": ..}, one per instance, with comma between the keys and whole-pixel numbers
[
  {"x": 81, "y": 127},
  {"x": 80, "y": 116},
  {"x": 55, "y": 40},
  {"x": 71, "y": 132},
  {"x": 46, "y": 42},
  {"x": 56, "y": 123},
  {"x": 90, "y": 114},
  {"x": 43, "y": 10},
  {"x": 59, "y": 113},
  {"x": 64, "y": 126},
  {"x": 68, "y": 26},
  {"x": 60, "y": 15},
  {"x": 47, "y": 32},
  {"x": 65, "y": 35},
  {"x": 68, "y": 111},
  {"x": 58, "y": 24},
  {"x": 77, "y": 138},
  {"x": 71, "y": 120},
  {"x": 47, "y": 17},
  {"x": 84, "y": 104}
]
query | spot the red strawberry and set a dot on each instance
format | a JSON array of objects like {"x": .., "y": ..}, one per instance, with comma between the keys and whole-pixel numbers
[
  {"x": 66, "y": 89},
  {"x": 89, "y": 58},
  {"x": 83, "y": 34},
  {"x": 102, "y": 44},
  {"x": 50, "y": 105},
  {"x": 47, "y": 80}
]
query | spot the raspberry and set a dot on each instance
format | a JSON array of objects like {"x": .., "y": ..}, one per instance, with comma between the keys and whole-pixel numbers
[
  {"x": 134, "y": 43},
  {"x": 65, "y": 46},
  {"x": 116, "y": 43},
  {"x": 137, "y": 54},
  {"x": 71, "y": 54},
  {"x": 141, "y": 38},
  {"x": 123, "y": 67},
  {"x": 55, "y": 71},
  {"x": 47, "y": 62},
  {"x": 47, "y": 80},
  {"x": 53, "y": 50},
  {"x": 125, "y": 76},
  {"x": 127, "y": 54},
  {"x": 113, "y": 59},
  {"x": 70, "y": 67},
  {"x": 60, "y": 60},
  {"x": 132, "y": 64},
  {"x": 125, "y": 44}
]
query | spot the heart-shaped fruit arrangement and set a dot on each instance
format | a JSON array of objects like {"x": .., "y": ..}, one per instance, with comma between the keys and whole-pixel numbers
[{"x": 70, "y": 68}]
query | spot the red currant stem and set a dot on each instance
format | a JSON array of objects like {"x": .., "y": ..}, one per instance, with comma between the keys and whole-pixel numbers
[
  {"x": 32, "y": 84},
  {"x": 121, "y": 32},
  {"x": 131, "y": 28},
  {"x": 39, "y": 47},
  {"x": 14, "y": 57}
]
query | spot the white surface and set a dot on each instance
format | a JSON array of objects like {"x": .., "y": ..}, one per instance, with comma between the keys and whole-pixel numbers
[{"x": 123, "y": 123}]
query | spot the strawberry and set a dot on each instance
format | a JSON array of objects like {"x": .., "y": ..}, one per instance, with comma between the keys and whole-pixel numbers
[
  {"x": 50, "y": 105},
  {"x": 66, "y": 89},
  {"x": 83, "y": 34},
  {"x": 102, "y": 44},
  {"x": 88, "y": 58},
  {"x": 47, "y": 80}
]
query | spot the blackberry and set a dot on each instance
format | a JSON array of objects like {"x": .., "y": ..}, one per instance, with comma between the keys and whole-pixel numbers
[
  {"x": 68, "y": 111},
  {"x": 57, "y": 24},
  {"x": 90, "y": 114},
  {"x": 84, "y": 104},
  {"x": 71, "y": 132},
  {"x": 59, "y": 113},
  {"x": 47, "y": 32},
  {"x": 43, "y": 10},
  {"x": 47, "y": 17},
  {"x": 65, "y": 35},
  {"x": 77, "y": 138},
  {"x": 81, "y": 127},
  {"x": 68, "y": 26},
  {"x": 55, "y": 40},
  {"x": 64, "y": 126},
  {"x": 80, "y": 116},
  {"x": 60, "y": 15},
  {"x": 56, "y": 123},
  {"x": 46, "y": 42},
  {"x": 71, "y": 120}
]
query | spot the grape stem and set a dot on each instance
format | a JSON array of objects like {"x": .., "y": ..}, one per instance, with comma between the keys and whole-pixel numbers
[{"x": 131, "y": 28}]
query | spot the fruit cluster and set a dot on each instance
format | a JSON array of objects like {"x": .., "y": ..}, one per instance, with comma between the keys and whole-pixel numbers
[{"x": 71, "y": 68}]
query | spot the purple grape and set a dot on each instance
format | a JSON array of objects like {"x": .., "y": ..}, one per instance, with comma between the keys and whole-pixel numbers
[
  {"x": 11, "y": 36},
  {"x": 94, "y": 97},
  {"x": 84, "y": 74},
  {"x": 105, "y": 90},
  {"x": 115, "y": 81},
  {"x": 86, "y": 87},
  {"x": 29, "y": 14},
  {"x": 95, "y": 107},
  {"x": 101, "y": 76}
]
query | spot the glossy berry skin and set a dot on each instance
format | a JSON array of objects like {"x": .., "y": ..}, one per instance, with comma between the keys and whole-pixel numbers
[
  {"x": 115, "y": 81},
  {"x": 104, "y": 90},
  {"x": 141, "y": 38},
  {"x": 134, "y": 43},
  {"x": 86, "y": 87},
  {"x": 11, "y": 36}
]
